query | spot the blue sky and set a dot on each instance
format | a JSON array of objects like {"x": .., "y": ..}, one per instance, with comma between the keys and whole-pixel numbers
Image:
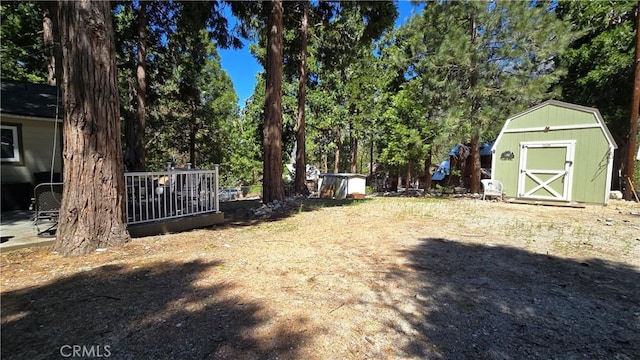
[{"x": 243, "y": 68}]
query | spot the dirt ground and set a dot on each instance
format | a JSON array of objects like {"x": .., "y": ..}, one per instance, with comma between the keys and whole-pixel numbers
[{"x": 383, "y": 278}]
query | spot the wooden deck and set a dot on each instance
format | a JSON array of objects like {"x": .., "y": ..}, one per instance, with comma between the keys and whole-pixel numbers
[
  {"x": 547, "y": 203},
  {"x": 175, "y": 225}
]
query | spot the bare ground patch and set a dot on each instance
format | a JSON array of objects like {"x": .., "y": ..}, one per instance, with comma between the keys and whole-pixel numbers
[{"x": 381, "y": 278}]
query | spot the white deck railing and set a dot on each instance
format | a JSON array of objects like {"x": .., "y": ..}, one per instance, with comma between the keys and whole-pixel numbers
[{"x": 162, "y": 195}]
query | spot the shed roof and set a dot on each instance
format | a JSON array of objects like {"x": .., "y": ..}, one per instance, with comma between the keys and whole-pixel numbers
[
  {"x": 28, "y": 99},
  {"x": 344, "y": 175},
  {"x": 595, "y": 112}
]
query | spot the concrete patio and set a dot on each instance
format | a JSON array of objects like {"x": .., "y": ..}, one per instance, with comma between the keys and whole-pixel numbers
[{"x": 17, "y": 231}]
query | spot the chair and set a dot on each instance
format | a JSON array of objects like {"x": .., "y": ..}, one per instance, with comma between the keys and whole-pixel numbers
[
  {"x": 492, "y": 187},
  {"x": 47, "y": 201}
]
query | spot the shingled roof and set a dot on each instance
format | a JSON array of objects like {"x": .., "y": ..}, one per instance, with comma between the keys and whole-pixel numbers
[{"x": 27, "y": 99}]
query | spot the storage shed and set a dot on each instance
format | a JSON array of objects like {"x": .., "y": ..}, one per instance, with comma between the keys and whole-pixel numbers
[
  {"x": 555, "y": 151},
  {"x": 342, "y": 186}
]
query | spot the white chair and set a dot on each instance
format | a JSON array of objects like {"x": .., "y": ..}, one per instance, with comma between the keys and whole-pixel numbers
[{"x": 491, "y": 187}]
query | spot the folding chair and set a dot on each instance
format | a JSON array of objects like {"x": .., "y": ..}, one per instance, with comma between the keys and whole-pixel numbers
[{"x": 47, "y": 200}]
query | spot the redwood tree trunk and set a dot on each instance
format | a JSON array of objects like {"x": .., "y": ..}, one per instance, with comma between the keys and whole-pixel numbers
[
  {"x": 632, "y": 143},
  {"x": 301, "y": 167},
  {"x": 475, "y": 121},
  {"x": 272, "y": 186},
  {"x": 408, "y": 182},
  {"x": 427, "y": 170},
  {"x": 336, "y": 157},
  {"x": 371, "y": 160},
  {"x": 353, "y": 153},
  {"x": 141, "y": 75},
  {"x": 47, "y": 37},
  {"x": 325, "y": 163},
  {"x": 92, "y": 210},
  {"x": 475, "y": 164},
  {"x": 193, "y": 130}
]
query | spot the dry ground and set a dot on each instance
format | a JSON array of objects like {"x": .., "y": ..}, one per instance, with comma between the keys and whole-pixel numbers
[{"x": 386, "y": 278}]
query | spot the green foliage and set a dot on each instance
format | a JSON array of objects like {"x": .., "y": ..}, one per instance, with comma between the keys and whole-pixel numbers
[
  {"x": 406, "y": 128},
  {"x": 461, "y": 68},
  {"x": 600, "y": 59},
  {"x": 191, "y": 100},
  {"x": 425, "y": 86},
  {"x": 22, "y": 47},
  {"x": 503, "y": 66}
]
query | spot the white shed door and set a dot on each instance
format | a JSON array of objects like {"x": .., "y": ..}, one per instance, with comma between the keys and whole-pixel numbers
[{"x": 545, "y": 170}]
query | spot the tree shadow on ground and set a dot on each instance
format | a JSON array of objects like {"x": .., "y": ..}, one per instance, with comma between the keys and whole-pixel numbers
[
  {"x": 13, "y": 217},
  {"x": 165, "y": 311},
  {"x": 241, "y": 212},
  {"x": 495, "y": 302}
]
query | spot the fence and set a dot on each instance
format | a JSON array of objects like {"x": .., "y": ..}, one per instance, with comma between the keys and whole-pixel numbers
[{"x": 153, "y": 196}]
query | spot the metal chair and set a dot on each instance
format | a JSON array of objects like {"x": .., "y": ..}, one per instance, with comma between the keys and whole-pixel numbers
[
  {"x": 47, "y": 201},
  {"x": 492, "y": 187}
]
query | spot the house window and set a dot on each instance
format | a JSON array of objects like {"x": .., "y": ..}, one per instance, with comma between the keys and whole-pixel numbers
[{"x": 10, "y": 146}]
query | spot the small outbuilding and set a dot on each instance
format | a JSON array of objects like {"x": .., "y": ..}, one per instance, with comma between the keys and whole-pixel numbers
[
  {"x": 342, "y": 186},
  {"x": 555, "y": 151}
]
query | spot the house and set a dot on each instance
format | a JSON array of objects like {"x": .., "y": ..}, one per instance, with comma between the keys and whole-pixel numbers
[
  {"x": 555, "y": 151},
  {"x": 31, "y": 129}
]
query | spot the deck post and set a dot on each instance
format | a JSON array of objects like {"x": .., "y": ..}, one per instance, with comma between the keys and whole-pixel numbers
[{"x": 216, "y": 187}]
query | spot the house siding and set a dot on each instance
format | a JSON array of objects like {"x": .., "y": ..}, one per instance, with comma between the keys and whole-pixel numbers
[{"x": 37, "y": 145}]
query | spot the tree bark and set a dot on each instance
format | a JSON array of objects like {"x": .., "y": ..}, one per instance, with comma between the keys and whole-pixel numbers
[
  {"x": 353, "y": 152},
  {"x": 301, "y": 167},
  {"x": 92, "y": 210},
  {"x": 325, "y": 162},
  {"x": 141, "y": 76},
  {"x": 408, "y": 182},
  {"x": 475, "y": 121},
  {"x": 56, "y": 49},
  {"x": 192, "y": 143},
  {"x": 371, "y": 159},
  {"x": 632, "y": 142},
  {"x": 336, "y": 157},
  {"x": 193, "y": 131},
  {"x": 47, "y": 36},
  {"x": 130, "y": 156},
  {"x": 272, "y": 186},
  {"x": 475, "y": 163},
  {"x": 427, "y": 170}
]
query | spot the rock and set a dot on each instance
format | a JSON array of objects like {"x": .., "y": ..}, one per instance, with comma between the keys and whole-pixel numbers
[{"x": 616, "y": 195}]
